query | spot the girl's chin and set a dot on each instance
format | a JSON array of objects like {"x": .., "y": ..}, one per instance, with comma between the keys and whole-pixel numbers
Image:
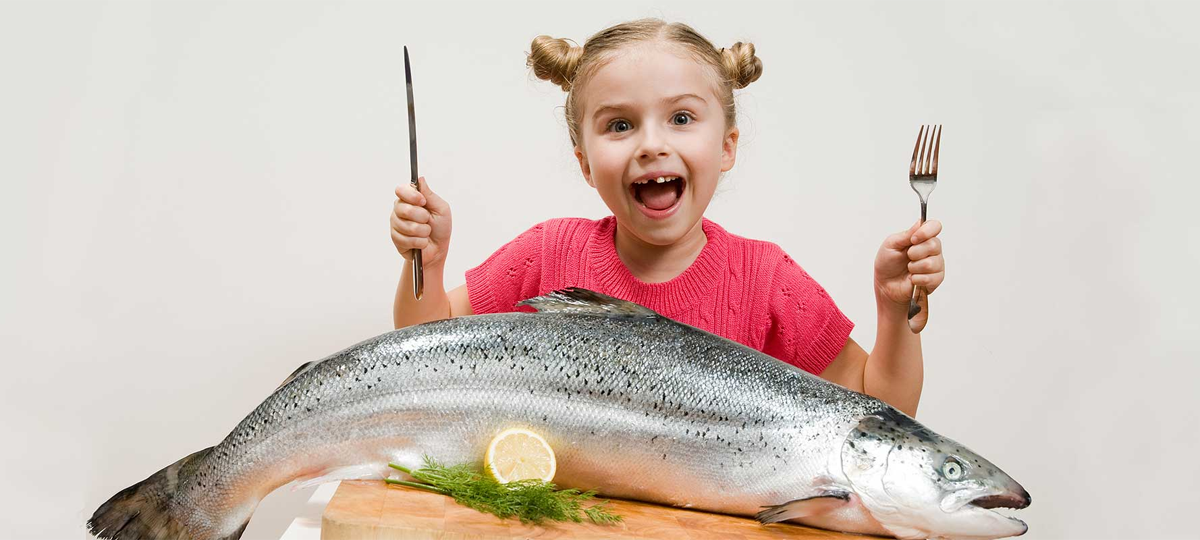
[{"x": 659, "y": 232}]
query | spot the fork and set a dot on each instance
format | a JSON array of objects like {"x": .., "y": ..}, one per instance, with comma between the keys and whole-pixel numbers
[{"x": 922, "y": 176}]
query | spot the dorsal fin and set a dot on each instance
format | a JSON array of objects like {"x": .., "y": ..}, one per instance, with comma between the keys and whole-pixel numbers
[
  {"x": 303, "y": 367},
  {"x": 577, "y": 300}
]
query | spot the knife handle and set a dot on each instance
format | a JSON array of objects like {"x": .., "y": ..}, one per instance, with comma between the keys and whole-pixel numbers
[
  {"x": 418, "y": 267},
  {"x": 418, "y": 274}
]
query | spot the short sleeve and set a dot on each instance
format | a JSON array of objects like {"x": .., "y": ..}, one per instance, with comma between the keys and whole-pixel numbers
[
  {"x": 807, "y": 329},
  {"x": 510, "y": 275}
]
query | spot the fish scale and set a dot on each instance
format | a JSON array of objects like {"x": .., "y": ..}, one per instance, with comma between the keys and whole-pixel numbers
[{"x": 635, "y": 406}]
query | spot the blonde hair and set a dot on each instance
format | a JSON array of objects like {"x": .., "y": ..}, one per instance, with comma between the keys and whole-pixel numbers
[{"x": 563, "y": 63}]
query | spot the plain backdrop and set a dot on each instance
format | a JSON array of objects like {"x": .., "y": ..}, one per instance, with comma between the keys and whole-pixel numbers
[{"x": 195, "y": 200}]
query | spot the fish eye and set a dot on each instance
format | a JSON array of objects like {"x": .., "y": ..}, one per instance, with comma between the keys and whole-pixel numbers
[{"x": 952, "y": 469}]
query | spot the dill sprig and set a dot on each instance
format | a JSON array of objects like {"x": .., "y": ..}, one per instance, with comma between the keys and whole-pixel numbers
[{"x": 532, "y": 501}]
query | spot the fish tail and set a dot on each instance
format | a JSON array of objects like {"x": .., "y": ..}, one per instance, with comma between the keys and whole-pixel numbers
[{"x": 143, "y": 511}]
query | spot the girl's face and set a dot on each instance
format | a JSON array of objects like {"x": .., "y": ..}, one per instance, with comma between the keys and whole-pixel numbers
[{"x": 652, "y": 114}]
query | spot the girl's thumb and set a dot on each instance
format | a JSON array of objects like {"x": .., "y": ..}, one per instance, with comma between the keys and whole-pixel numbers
[{"x": 431, "y": 198}]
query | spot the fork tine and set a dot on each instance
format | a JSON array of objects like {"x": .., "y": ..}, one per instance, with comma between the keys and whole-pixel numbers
[
  {"x": 925, "y": 151},
  {"x": 937, "y": 145},
  {"x": 912, "y": 168}
]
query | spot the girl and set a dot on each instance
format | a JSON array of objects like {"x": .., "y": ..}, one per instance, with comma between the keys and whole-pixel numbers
[{"x": 651, "y": 115}]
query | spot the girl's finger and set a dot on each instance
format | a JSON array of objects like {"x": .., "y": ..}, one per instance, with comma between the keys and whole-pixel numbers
[
  {"x": 411, "y": 213},
  {"x": 410, "y": 228},
  {"x": 926, "y": 249},
  {"x": 929, "y": 281},
  {"x": 405, "y": 243},
  {"x": 410, "y": 195},
  {"x": 928, "y": 265},
  {"x": 927, "y": 230}
]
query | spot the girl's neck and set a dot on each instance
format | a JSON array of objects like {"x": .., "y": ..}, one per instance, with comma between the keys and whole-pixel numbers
[{"x": 658, "y": 264}]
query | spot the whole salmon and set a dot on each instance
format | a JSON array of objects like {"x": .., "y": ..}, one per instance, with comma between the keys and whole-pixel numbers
[{"x": 635, "y": 405}]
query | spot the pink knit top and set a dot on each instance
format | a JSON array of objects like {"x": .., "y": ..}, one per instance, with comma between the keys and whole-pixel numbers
[{"x": 745, "y": 290}]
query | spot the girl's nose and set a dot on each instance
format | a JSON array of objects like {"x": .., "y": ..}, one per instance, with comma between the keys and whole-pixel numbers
[{"x": 653, "y": 144}]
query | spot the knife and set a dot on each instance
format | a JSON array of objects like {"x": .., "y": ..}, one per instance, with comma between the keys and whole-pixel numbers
[{"x": 418, "y": 269}]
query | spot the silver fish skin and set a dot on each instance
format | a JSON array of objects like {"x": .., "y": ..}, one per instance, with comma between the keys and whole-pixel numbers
[{"x": 635, "y": 405}]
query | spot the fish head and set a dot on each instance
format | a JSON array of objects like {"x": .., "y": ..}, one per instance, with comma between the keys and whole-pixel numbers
[{"x": 918, "y": 484}]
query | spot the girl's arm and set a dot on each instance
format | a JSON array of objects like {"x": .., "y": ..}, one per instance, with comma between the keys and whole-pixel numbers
[
  {"x": 435, "y": 303},
  {"x": 894, "y": 370},
  {"x": 421, "y": 220}
]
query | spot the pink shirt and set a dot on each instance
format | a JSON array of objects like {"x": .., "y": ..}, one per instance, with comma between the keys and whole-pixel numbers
[{"x": 745, "y": 290}]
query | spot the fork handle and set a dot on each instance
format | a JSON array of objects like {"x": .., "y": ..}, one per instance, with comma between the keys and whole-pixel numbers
[
  {"x": 918, "y": 304},
  {"x": 920, "y": 299}
]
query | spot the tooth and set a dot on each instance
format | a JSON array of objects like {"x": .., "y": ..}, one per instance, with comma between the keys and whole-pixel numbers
[{"x": 662, "y": 179}]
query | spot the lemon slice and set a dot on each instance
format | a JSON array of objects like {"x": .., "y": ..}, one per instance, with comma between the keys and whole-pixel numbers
[{"x": 520, "y": 454}]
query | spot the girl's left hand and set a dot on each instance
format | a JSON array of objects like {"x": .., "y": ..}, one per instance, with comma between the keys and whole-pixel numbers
[{"x": 907, "y": 259}]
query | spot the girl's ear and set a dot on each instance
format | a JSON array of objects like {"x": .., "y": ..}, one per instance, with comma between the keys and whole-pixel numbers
[
  {"x": 584, "y": 167},
  {"x": 729, "y": 149}
]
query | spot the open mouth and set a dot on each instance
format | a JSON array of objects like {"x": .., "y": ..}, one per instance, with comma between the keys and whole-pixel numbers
[
  {"x": 659, "y": 193},
  {"x": 1005, "y": 500}
]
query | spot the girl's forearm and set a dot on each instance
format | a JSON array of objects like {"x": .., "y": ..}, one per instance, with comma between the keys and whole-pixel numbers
[
  {"x": 895, "y": 368},
  {"x": 434, "y": 303}
]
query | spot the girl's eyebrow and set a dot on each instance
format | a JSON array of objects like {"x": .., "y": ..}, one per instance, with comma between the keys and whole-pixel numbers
[{"x": 665, "y": 101}]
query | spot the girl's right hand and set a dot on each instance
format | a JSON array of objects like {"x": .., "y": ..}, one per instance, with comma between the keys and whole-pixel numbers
[{"x": 421, "y": 220}]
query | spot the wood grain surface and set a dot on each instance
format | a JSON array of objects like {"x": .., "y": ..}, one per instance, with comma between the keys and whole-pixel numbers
[{"x": 372, "y": 510}]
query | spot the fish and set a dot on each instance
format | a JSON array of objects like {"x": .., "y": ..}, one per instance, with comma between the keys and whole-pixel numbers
[{"x": 635, "y": 405}]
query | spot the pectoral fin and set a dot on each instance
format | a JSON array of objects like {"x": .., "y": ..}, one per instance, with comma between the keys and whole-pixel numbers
[{"x": 803, "y": 507}]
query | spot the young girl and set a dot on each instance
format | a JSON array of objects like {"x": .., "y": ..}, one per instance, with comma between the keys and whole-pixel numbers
[{"x": 651, "y": 115}]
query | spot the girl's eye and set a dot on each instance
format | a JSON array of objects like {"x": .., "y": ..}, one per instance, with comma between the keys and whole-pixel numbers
[
  {"x": 952, "y": 469},
  {"x": 681, "y": 119},
  {"x": 619, "y": 126}
]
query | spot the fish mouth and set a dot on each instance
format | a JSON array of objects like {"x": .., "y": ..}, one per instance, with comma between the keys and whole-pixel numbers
[
  {"x": 1003, "y": 500},
  {"x": 1014, "y": 501}
]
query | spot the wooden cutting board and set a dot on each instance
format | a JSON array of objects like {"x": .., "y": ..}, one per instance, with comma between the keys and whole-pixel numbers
[{"x": 372, "y": 510}]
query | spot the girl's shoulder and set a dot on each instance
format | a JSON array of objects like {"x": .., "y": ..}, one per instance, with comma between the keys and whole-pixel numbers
[
  {"x": 764, "y": 262},
  {"x": 751, "y": 250},
  {"x": 570, "y": 232},
  {"x": 553, "y": 236},
  {"x": 571, "y": 225},
  {"x": 568, "y": 225}
]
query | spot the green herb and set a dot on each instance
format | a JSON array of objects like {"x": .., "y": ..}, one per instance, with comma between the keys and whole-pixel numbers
[{"x": 532, "y": 501}]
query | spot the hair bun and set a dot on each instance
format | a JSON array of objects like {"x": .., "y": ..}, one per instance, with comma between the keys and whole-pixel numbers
[
  {"x": 555, "y": 60},
  {"x": 741, "y": 66}
]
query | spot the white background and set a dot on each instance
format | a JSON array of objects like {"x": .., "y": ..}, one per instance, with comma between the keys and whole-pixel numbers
[{"x": 195, "y": 200}]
